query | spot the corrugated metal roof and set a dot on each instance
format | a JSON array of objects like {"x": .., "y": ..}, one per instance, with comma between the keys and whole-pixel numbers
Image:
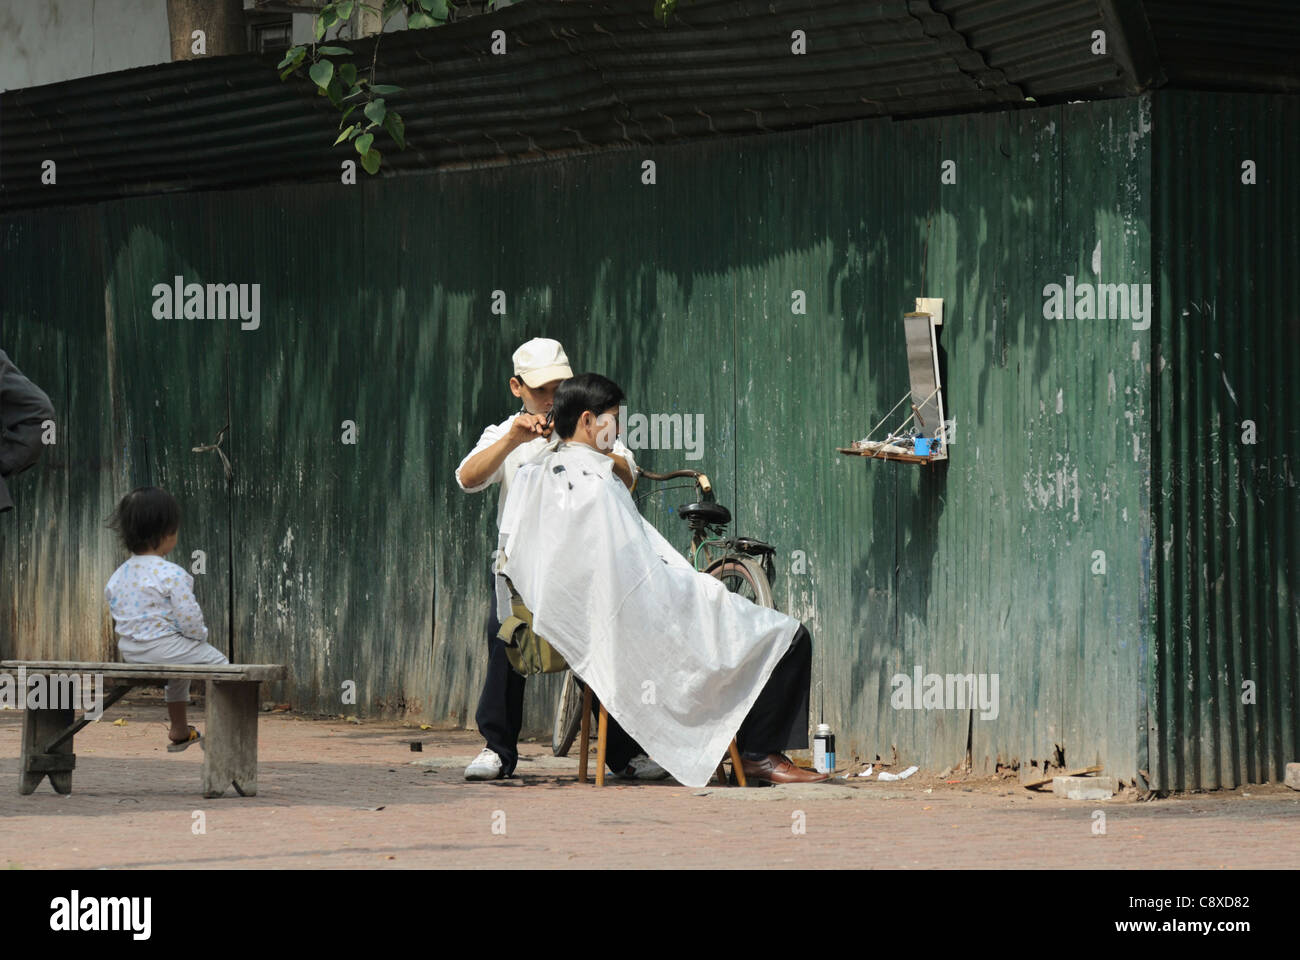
[
  {"x": 582, "y": 76},
  {"x": 1043, "y": 46},
  {"x": 578, "y": 76},
  {"x": 1234, "y": 45}
]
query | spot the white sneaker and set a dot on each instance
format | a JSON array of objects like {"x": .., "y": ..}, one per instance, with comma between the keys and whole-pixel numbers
[
  {"x": 642, "y": 767},
  {"x": 486, "y": 766}
]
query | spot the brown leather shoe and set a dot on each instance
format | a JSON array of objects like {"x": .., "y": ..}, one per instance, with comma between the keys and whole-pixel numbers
[{"x": 777, "y": 768}]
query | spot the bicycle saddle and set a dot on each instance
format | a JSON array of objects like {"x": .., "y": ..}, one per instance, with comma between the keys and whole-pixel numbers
[{"x": 713, "y": 514}]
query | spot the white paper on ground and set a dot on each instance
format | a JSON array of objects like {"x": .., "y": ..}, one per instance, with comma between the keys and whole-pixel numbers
[{"x": 884, "y": 775}]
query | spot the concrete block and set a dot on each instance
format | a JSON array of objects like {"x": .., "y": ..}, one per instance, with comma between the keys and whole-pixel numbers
[
  {"x": 1085, "y": 788},
  {"x": 1293, "y": 776}
]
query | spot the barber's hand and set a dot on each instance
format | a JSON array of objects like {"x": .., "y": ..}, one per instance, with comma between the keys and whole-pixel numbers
[{"x": 528, "y": 426}]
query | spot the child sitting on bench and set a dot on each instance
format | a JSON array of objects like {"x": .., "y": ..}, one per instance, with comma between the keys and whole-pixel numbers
[{"x": 152, "y": 601}]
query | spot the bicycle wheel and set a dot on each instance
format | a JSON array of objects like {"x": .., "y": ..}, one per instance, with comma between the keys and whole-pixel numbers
[
  {"x": 568, "y": 716},
  {"x": 745, "y": 576}
]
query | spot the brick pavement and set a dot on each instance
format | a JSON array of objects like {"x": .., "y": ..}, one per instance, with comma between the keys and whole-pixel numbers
[{"x": 321, "y": 782}]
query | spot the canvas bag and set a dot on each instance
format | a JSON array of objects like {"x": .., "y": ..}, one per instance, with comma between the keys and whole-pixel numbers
[{"x": 528, "y": 653}]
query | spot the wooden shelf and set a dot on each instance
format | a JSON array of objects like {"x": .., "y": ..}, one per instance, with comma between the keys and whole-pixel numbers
[{"x": 880, "y": 455}]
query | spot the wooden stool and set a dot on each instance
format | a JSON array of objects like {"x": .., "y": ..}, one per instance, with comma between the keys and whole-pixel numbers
[{"x": 584, "y": 742}]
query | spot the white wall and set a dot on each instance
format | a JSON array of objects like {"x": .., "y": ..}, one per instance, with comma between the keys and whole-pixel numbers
[
  {"x": 45, "y": 41},
  {"x": 304, "y": 29}
]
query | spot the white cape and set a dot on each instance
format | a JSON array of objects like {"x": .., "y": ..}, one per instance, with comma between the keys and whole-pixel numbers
[{"x": 675, "y": 657}]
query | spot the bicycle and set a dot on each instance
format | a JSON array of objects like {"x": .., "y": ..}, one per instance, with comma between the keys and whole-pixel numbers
[{"x": 743, "y": 564}]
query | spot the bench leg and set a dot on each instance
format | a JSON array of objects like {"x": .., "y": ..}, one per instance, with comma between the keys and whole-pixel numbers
[
  {"x": 39, "y": 728},
  {"x": 231, "y": 756}
]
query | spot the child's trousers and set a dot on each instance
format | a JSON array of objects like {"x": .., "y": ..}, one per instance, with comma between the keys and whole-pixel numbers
[{"x": 176, "y": 649}]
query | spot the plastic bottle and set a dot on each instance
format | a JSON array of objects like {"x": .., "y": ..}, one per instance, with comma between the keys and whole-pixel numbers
[{"x": 824, "y": 749}]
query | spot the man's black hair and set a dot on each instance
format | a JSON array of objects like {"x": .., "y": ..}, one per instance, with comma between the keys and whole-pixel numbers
[
  {"x": 144, "y": 517},
  {"x": 586, "y": 391}
]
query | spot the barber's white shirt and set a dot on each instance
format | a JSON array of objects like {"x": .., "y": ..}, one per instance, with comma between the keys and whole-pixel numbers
[{"x": 524, "y": 453}]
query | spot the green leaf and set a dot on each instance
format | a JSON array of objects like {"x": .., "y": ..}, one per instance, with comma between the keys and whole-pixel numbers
[
  {"x": 396, "y": 129},
  {"x": 335, "y": 51},
  {"x": 335, "y": 92},
  {"x": 375, "y": 110},
  {"x": 418, "y": 21},
  {"x": 343, "y": 118},
  {"x": 320, "y": 28},
  {"x": 438, "y": 8},
  {"x": 363, "y": 143},
  {"x": 370, "y": 160},
  {"x": 322, "y": 72},
  {"x": 345, "y": 10},
  {"x": 386, "y": 88},
  {"x": 356, "y": 89},
  {"x": 664, "y": 9},
  {"x": 348, "y": 74},
  {"x": 345, "y": 134},
  {"x": 292, "y": 55}
]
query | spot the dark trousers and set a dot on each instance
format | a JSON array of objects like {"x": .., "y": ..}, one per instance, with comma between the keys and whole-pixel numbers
[
  {"x": 500, "y": 713},
  {"x": 778, "y": 720}
]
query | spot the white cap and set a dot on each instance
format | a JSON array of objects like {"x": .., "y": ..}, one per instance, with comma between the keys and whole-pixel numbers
[{"x": 540, "y": 361}]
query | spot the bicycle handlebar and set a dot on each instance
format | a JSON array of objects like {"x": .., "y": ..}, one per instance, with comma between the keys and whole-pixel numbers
[
  {"x": 701, "y": 480},
  {"x": 667, "y": 476}
]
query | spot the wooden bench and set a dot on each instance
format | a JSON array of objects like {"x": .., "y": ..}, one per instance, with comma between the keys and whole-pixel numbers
[{"x": 230, "y": 757}]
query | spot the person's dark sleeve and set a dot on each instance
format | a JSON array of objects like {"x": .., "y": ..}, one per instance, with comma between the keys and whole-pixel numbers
[{"x": 23, "y": 408}]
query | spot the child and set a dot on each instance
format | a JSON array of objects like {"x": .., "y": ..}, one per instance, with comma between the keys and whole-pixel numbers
[{"x": 152, "y": 600}]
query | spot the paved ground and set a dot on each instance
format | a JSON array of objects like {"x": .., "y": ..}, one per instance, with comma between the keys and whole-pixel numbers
[{"x": 341, "y": 794}]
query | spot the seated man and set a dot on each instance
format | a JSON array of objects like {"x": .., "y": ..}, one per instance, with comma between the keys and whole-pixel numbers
[{"x": 679, "y": 661}]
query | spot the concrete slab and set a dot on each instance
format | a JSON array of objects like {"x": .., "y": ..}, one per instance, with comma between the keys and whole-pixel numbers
[{"x": 1084, "y": 788}]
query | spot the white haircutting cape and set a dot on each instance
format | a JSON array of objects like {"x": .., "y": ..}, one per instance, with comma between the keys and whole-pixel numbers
[{"x": 675, "y": 657}]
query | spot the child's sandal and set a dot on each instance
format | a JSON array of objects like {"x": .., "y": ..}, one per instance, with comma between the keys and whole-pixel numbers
[{"x": 194, "y": 737}]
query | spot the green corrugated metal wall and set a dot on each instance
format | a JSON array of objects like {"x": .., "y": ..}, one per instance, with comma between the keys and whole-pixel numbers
[
  {"x": 984, "y": 565},
  {"x": 53, "y": 564},
  {"x": 366, "y": 563},
  {"x": 1227, "y": 517}
]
